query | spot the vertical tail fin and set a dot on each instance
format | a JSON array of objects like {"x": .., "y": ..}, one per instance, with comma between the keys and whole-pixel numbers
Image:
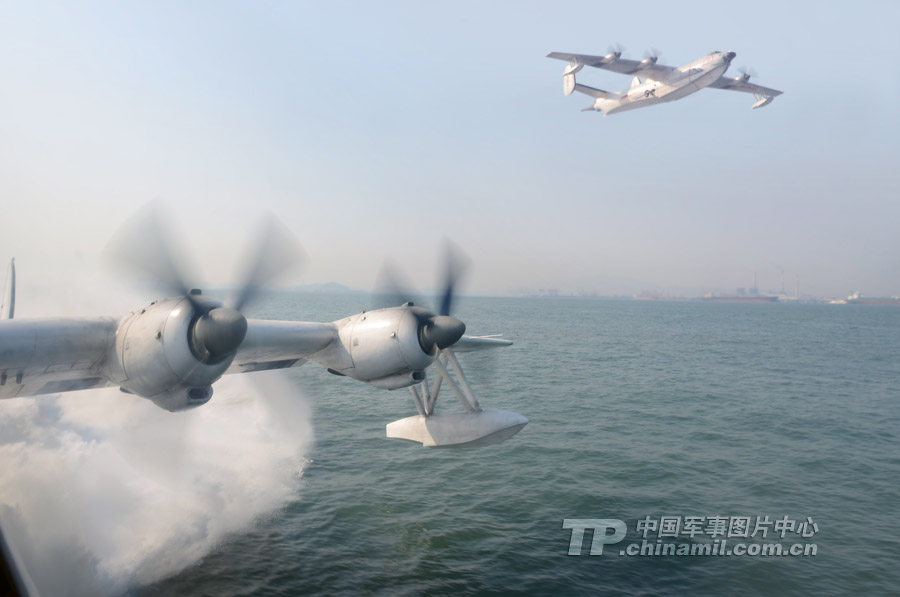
[{"x": 8, "y": 308}]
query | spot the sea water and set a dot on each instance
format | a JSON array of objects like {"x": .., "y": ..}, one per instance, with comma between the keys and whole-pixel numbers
[{"x": 639, "y": 410}]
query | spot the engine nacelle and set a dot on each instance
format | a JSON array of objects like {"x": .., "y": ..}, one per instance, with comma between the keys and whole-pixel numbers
[
  {"x": 382, "y": 348},
  {"x": 153, "y": 357}
]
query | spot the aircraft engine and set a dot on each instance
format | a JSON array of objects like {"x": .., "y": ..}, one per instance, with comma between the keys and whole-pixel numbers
[
  {"x": 171, "y": 353},
  {"x": 391, "y": 348}
]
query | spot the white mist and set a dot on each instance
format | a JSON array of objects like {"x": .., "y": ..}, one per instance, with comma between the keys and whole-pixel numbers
[{"x": 101, "y": 491}]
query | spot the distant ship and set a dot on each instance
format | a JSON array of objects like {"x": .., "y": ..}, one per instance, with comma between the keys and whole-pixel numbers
[
  {"x": 741, "y": 298},
  {"x": 744, "y": 295},
  {"x": 856, "y": 298}
]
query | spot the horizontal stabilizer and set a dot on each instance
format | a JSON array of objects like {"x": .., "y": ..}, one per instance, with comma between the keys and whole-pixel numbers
[
  {"x": 473, "y": 343},
  {"x": 593, "y": 92}
]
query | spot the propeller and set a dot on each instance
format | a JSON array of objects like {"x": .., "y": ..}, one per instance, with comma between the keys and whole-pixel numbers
[
  {"x": 455, "y": 266},
  {"x": 217, "y": 333},
  {"x": 443, "y": 330},
  {"x": 146, "y": 245},
  {"x": 276, "y": 251},
  {"x": 392, "y": 289},
  {"x": 746, "y": 73},
  {"x": 616, "y": 50},
  {"x": 439, "y": 330},
  {"x": 652, "y": 55}
]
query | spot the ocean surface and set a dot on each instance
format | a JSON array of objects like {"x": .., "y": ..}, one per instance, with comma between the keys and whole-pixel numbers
[{"x": 639, "y": 410}]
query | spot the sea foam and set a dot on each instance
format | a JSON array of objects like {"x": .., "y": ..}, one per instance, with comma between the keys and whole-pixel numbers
[{"x": 101, "y": 491}]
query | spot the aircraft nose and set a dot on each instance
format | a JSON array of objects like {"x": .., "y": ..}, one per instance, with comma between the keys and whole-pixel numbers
[{"x": 730, "y": 56}]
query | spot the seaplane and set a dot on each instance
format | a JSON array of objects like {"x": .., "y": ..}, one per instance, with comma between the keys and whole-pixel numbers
[
  {"x": 172, "y": 351},
  {"x": 654, "y": 83}
]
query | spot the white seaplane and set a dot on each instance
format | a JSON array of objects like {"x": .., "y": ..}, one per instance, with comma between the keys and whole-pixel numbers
[
  {"x": 172, "y": 351},
  {"x": 655, "y": 83}
]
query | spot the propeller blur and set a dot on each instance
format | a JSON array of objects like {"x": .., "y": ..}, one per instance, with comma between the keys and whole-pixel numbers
[{"x": 173, "y": 350}]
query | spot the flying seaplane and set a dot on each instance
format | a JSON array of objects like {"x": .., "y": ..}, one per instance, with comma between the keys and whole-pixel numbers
[
  {"x": 660, "y": 83},
  {"x": 172, "y": 351}
]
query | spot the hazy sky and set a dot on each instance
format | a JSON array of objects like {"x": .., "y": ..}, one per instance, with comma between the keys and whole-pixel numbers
[{"x": 377, "y": 129}]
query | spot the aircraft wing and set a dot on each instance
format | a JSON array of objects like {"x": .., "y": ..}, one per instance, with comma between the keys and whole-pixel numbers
[
  {"x": 739, "y": 84},
  {"x": 623, "y": 66},
  {"x": 283, "y": 344},
  {"x": 280, "y": 344},
  {"x": 46, "y": 356},
  {"x": 49, "y": 356}
]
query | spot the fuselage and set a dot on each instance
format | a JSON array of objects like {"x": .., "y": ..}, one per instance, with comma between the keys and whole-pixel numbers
[{"x": 678, "y": 83}]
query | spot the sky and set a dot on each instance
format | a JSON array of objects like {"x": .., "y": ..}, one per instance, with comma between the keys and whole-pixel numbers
[{"x": 374, "y": 131}]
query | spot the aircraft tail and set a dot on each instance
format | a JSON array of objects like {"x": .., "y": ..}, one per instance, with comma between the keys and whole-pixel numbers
[
  {"x": 7, "y": 309},
  {"x": 570, "y": 85},
  {"x": 569, "y": 77}
]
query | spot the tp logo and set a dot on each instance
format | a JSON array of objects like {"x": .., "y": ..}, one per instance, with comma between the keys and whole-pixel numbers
[{"x": 601, "y": 537}]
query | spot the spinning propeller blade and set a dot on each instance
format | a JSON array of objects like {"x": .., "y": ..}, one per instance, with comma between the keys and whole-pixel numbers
[
  {"x": 145, "y": 245},
  {"x": 443, "y": 330},
  {"x": 747, "y": 72},
  {"x": 145, "y": 248},
  {"x": 439, "y": 330},
  {"x": 392, "y": 289},
  {"x": 455, "y": 264},
  {"x": 276, "y": 252},
  {"x": 651, "y": 56}
]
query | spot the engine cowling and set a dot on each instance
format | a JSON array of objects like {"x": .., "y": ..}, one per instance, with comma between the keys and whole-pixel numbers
[
  {"x": 153, "y": 357},
  {"x": 387, "y": 348}
]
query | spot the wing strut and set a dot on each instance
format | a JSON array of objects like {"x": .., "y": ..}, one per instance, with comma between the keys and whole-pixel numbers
[
  {"x": 460, "y": 386},
  {"x": 761, "y": 100},
  {"x": 473, "y": 428}
]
